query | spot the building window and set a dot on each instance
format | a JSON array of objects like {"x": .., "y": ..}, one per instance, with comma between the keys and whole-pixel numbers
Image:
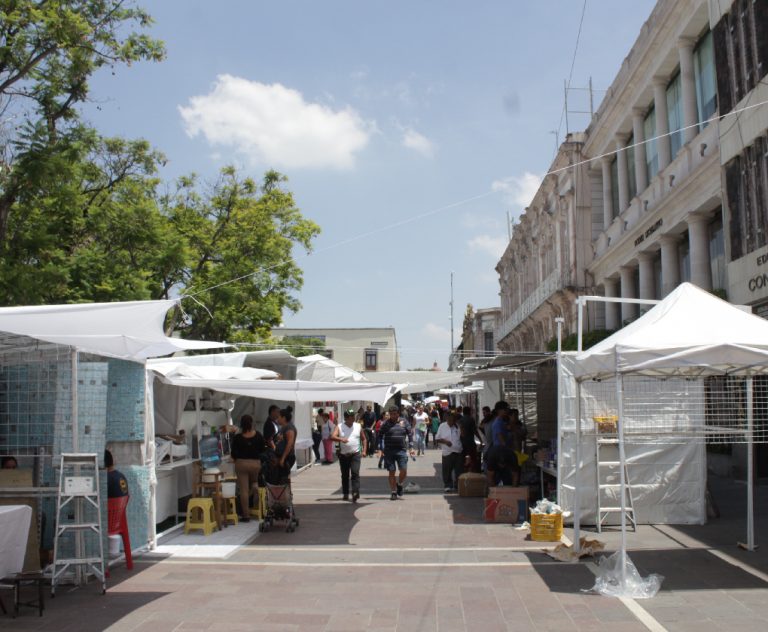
[
  {"x": 704, "y": 70},
  {"x": 746, "y": 189},
  {"x": 717, "y": 253},
  {"x": 631, "y": 179},
  {"x": 371, "y": 359},
  {"x": 675, "y": 115},
  {"x": 651, "y": 149},
  {"x": 615, "y": 187},
  {"x": 740, "y": 43},
  {"x": 488, "y": 342}
]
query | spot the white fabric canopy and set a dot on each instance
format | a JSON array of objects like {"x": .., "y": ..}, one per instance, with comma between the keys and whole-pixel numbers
[
  {"x": 180, "y": 369},
  {"x": 690, "y": 332},
  {"x": 289, "y": 390},
  {"x": 129, "y": 330},
  {"x": 318, "y": 368},
  {"x": 416, "y": 381}
]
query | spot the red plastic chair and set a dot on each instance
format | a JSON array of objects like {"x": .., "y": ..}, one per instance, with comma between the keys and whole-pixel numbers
[{"x": 118, "y": 525}]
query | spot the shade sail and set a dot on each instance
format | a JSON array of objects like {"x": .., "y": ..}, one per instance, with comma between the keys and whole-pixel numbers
[
  {"x": 171, "y": 370},
  {"x": 416, "y": 381},
  {"x": 289, "y": 390},
  {"x": 690, "y": 332},
  {"x": 129, "y": 330}
]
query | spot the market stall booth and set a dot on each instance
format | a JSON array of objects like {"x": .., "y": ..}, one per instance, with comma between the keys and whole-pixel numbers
[
  {"x": 72, "y": 379},
  {"x": 689, "y": 372}
]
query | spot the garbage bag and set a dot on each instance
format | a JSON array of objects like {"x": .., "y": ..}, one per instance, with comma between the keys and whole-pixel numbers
[{"x": 612, "y": 583}]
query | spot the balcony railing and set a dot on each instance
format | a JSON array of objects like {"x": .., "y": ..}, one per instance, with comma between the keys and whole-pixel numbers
[{"x": 547, "y": 288}]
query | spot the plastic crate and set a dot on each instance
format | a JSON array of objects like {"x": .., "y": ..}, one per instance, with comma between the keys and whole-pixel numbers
[
  {"x": 608, "y": 424},
  {"x": 546, "y": 527}
]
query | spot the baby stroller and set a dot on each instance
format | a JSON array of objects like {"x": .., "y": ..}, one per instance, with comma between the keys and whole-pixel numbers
[{"x": 279, "y": 497}]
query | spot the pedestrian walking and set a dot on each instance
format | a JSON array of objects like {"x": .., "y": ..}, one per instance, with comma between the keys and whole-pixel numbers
[
  {"x": 396, "y": 443},
  {"x": 352, "y": 444},
  {"x": 327, "y": 430},
  {"x": 449, "y": 438},
  {"x": 420, "y": 420},
  {"x": 369, "y": 420}
]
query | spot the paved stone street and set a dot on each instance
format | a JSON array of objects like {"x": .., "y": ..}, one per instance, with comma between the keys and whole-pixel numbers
[{"x": 426, "y": 562}]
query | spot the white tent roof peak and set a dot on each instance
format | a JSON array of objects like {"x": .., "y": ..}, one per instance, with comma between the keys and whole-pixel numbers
[
  {"x": 131, "y": 330},
  {"x": 690, "y": 332},
  {"x": 318, "y": 368}
]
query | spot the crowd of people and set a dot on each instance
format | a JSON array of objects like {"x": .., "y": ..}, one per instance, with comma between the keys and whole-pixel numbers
[{"x": 491, "y": 446}]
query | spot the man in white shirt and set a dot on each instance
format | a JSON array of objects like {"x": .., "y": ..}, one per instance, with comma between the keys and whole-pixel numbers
[
  {"x": 352, "y": 443},
  {"x": 449, "y": 438}
]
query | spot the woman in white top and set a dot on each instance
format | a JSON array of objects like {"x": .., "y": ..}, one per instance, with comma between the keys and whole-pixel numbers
[{"x": 352, "y": 444}]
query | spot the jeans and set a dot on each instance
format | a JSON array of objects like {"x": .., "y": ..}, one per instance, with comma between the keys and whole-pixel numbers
[
  {"x": 420, "y": 441},
  {"x": 350, "y": 464},
  {"x": 452, "y": 469},
  {"x": 317, "y": 437}
]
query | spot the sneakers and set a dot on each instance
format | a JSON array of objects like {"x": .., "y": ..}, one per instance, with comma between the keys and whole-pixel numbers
[
  {"x": 393, "y": 496},
  {"x": 412, "y": 488},
  {"x": 399, "y": 489}
]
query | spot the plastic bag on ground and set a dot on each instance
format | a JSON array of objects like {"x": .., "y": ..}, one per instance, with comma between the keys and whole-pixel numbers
[{"x": 610, "y": 582}]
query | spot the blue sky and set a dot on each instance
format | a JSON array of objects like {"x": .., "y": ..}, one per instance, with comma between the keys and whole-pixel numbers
[{"x": 407, "y": 129}]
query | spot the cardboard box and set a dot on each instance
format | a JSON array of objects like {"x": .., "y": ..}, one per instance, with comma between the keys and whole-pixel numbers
[
  {"x": 506, "y": 504},
  {"x": 472, "y": 484}
]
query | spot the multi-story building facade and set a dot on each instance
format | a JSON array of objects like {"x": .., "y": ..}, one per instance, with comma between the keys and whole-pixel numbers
[
  {"x": 361, "y": 349},
  {"x": 478, "y": 335},
  {"x": 668, "y": 191}
]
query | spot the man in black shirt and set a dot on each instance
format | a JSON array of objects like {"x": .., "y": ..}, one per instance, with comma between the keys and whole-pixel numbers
[
  {"x": 117, "y": 485},
  {"x": 395, "y": 441},
  {"x": 270, "y": 426}
]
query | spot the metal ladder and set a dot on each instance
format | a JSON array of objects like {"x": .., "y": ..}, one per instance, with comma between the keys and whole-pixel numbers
[
  {"x": 80, "y": 501},
  {"x": 602, "y": 468}
]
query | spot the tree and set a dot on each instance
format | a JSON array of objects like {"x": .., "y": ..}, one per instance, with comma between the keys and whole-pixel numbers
[
  {"x": 236, "y": 231},
  {"x": 299, "y": 346},
  {"x": 50, "y": 49}
]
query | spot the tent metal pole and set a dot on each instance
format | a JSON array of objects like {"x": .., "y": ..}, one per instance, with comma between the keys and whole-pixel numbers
[
  {"x": 622, "y": 478},
  {"x": 750, "y": 467},
  {"x": 577, "y": 476},
  {"x": 580, "y": 307}
]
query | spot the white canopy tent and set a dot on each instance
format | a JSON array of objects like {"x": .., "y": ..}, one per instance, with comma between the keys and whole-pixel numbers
[
  {"x": 688, "y": 336},
  {"x": 318, "y": 368}
]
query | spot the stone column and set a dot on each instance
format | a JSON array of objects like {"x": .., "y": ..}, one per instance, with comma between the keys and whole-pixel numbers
[
  {"x": 641, "y": 172},
  {"x": 621, "y": 164},
  {"x": 698, "y": 238},
  {"x": 647, "y": 285},
  {"x": 605, "y": 162},
  {"x": 628, "y": 310},
  {"x": 611, "y": 309},
  {"x": 670, "y": 264},
  {"x": 662, "y": 124},
  {"x": 688, "y": 87}
]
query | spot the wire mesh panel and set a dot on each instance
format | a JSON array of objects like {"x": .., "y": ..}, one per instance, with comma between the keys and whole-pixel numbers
[
  {"x": 35, "y": 395},
  {"x": 669, "y": 410}
]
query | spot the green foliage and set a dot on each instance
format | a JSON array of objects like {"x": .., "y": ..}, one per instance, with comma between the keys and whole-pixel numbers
[
  {"x": 299, "y": 346},
  {"x": 589, "y": 338},
  {"x": 81, "y": 218},
  {"x": 237, "y": 229}
]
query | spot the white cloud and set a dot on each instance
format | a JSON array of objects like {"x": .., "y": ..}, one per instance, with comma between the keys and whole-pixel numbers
[
  {"x": 518, "y": 191},
  {"x": 418, "y": 142},
  {"x": 489, "y": 244},
  {"x": 274, "y": 125},
  {"x": 437, "y": 332}
]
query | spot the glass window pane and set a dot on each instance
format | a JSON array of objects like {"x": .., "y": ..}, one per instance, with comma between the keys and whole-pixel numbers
[
  {"x": 675, "y": 115},
  {"x": 706, "y": 87},
  {"x": 651, "y": 149}
]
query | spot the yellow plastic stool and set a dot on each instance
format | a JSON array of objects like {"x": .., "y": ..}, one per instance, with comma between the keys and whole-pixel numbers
[
  {"x": 258, "y": 512},
  {"x": 208, "y": 517},
  {"x": 230, "y": 510}
]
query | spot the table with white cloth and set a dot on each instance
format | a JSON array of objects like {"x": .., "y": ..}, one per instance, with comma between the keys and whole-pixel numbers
[{"x": 14, "y": 531}]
